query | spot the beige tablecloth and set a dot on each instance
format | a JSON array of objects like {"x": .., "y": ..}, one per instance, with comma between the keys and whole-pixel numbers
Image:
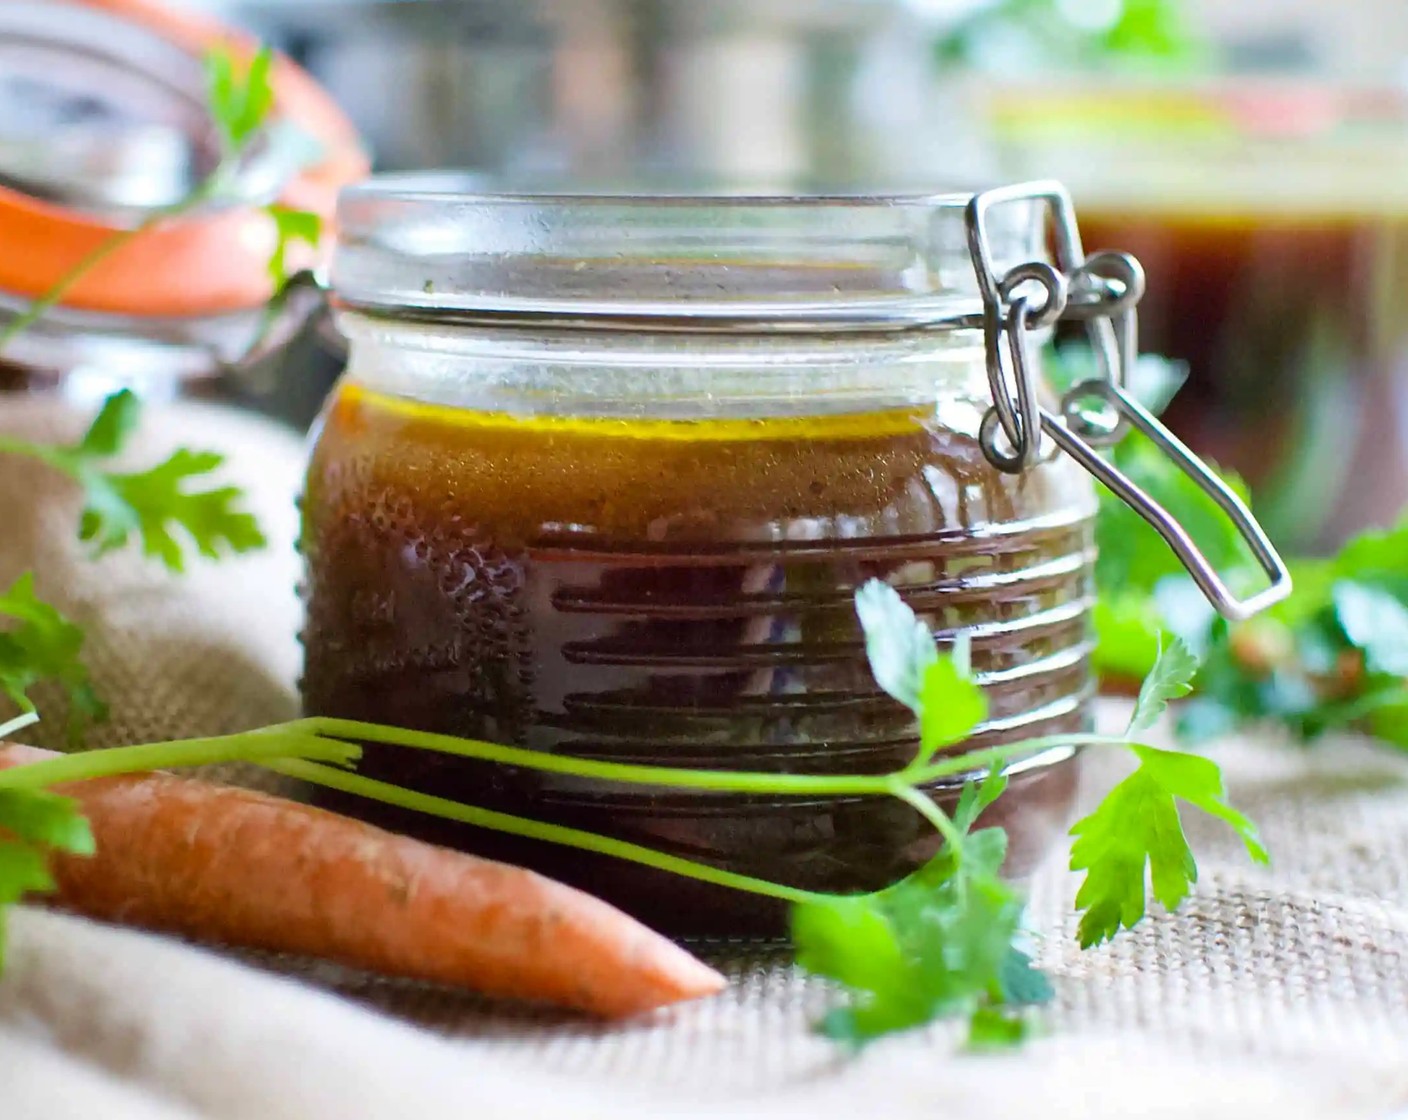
[{"x": 1275, "y": 992}]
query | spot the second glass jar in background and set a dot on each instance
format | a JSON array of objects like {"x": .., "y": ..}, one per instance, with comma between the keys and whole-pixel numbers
[{"x": 1272, "y": 218}]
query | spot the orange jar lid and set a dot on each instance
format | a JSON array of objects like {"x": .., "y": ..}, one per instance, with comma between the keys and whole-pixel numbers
[{"x": 103, "y": 122}]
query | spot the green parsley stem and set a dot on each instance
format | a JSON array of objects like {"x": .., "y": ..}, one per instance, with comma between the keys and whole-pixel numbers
[
  {"x": 253, "y": 747},
  {"x": 926, "y": 808},
  {"x": 300, "y": 749},
  {"x": 533, "y": 830},
  {"x": 54, "y": 296},
  {"x": 708, "y": 781},
  {"x": 202, "y": 193},
  {"x": 51, "y": 299}
]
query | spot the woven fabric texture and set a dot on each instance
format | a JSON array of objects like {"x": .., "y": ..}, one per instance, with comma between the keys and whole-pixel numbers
[
  {"x": 208, "y": 652},
  {"x": 1297, "y": 974},
  {"x": 1280, "y": 991}
]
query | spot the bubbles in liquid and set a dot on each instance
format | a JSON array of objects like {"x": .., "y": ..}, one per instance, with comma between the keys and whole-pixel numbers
[
  {"x": 602, "y": 593},
  {"x": 405, "y": 600}
]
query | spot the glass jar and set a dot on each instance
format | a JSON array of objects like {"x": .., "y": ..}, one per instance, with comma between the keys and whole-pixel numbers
[{"x": 604, "y": 474}]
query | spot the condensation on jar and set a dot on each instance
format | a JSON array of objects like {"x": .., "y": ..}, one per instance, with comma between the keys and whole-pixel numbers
[{"x": 602, "y": 479}]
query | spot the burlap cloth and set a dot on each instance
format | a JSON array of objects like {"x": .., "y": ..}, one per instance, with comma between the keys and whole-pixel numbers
[{"x": 1280, "y": 992}]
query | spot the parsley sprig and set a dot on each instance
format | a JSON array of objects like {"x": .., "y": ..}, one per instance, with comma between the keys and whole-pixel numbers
[
  {"x": 1334, "y": 655},
  {"x": 942, "y": 943},
  {"x": 40, "y": 644},
  {"x": 149, "y": 505},
  {"x": 37, "y": 643},
  {"x": 1136, "y": 832},
  {"x": 167, "y": 508}
]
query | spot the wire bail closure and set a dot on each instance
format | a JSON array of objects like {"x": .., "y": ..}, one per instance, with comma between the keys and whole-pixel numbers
[{"x": 1103, "y": 291}]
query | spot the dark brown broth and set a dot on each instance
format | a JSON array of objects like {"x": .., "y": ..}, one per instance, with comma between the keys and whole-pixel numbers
[{"x": 682, "y": 594}]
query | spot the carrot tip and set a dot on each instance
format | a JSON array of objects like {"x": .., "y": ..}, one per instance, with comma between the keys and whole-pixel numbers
[{"x": 689, "y": 977}]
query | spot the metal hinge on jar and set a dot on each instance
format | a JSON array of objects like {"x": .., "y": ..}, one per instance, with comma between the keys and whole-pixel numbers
[{"x": 1102, "y": 291}]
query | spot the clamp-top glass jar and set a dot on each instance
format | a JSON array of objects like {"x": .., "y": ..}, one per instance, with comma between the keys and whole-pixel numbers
[
  {"x": 603, "y": 477},
  {"x": 107, "y": 155}
]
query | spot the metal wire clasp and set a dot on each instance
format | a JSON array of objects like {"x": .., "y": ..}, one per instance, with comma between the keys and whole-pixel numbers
[{"x": 1103, "y": 291}]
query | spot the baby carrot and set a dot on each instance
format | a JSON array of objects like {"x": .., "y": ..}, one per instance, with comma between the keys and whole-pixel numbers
[{"x": 232, "y": 866}]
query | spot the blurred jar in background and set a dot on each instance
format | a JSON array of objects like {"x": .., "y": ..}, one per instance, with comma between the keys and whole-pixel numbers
[
  {"x": 104, "y": 128},
  {"x": 773, "y": 95},
  {"x": 1272, "y": 219},
  {"x": 727, "y": 96},
  {"x": 1268, "y": 215}
]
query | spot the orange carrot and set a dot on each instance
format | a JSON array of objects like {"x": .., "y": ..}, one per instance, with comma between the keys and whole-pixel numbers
[{"x": 220, "y": 864}]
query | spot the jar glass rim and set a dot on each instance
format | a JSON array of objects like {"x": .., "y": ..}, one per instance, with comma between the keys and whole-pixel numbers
[
  {"x": 441, "y": 244},
  {"x": 441, "y": 187}
]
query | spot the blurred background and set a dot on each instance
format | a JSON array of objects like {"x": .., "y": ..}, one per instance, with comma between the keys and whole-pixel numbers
[{"x": 1253, "y": 154}]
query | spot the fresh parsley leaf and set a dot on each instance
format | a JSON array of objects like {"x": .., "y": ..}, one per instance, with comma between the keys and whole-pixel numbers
[
  {"x": 22, "y": 870},
  {"x": 940, "y": 943},
  {"x": 44, "y": 818},
  {"x": 951, "y": 705},
  {"x": 239, "y": 95},
  {"x": 906, "y": 663},
  {"x": 151, "y": 505},
  {"x": 1132, "y": 556},
  {"x": 1388, "y": 720},
  {"x": 41, "y": 644},
  {"x": 291, "y": 226},
  {"x": 917, "y": 952},
  {"x": 220, "y": 95},
  {"x": 997, "y": 1028},
  {"x": 850, "y": 940},
  {"x": 1022, "y": 983},
  {"x": 1170, "y": 678},
  {"x": 1128, "y": 629},
  {"x": 975, "y": 797},
  {"x": 1137, "y": 830},
  {"x": 116, "y": 421},
  {"x": 1376, "y": 621},
  {"x": 1151, "y": 30},
  {"x": 1335, "y": 654},
  {"x": 1376, "y": 552},
  {"x": 899, "y": 646},
  {"x": 1152, "y": 34},
  {"x": 34, "y": 823}
]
